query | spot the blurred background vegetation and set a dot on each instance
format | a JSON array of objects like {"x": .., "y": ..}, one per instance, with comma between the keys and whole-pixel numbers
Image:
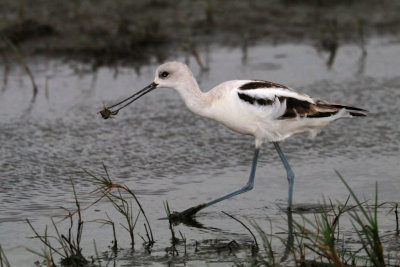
[{"x": 123, "y": 31}]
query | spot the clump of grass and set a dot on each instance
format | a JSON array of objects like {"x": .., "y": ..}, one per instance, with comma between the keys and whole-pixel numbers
[
  {"x": 107, "y": 189},
  {"x": 322, "y": 233},
  {"x": 367, "y": 228},
  {"x": 71, "y": 251},
  {"x": 271, "y": 259},
  {"x": 67, "y": 245},
  {"x": 321, "y": 236},
  {"x": 125, "y": 208}
]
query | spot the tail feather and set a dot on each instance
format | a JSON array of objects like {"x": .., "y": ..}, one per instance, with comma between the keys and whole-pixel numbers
[
  {"x": 353, "y": 111},
  {"x": 355, "y": 114}
]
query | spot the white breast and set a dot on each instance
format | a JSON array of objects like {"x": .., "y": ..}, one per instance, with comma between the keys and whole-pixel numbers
[{"x": 239, "y": 116}]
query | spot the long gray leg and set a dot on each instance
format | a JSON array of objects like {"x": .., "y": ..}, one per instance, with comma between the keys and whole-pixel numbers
[
  {"x": 247, "y": 187},
  {"x": 184, "y": 215},
  {"x": 289, "y": 171}
]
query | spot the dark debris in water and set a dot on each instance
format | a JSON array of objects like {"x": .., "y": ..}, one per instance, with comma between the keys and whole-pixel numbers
[
  {"x": 74, "y": 260},
  {"x": 106, "y": 113},
  {"x": 215, "y": 250},
  {"x": 308, "y": 208}
]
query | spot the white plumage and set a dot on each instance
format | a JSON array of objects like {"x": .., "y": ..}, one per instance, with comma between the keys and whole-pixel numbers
[
  {"x": 257, "y": 111},
  {"x": 268, "y": 111}
]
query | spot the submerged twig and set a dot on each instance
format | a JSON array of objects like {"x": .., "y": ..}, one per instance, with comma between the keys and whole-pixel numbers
[
  {"x": 24, "y": 64},
  {"x": 174, "y": 240},
  {"x": 255, "y": 248}
]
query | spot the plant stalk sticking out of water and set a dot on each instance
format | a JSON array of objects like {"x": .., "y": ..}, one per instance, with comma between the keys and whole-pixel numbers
[
  {"x": 394, "y": 208},
  {"x": 3, "y": 259},
  {"x": 114, "y": 248},
  {"x": 106, "y": 187},
  {"x": 322, "y": 234},
  {"x": 126, "y": 209},
  {"x": 171, "y": 250},
  {"x": 48, "y": 246},
  {"x": 75, "y": 245},
  {"x": 23, "y": 62},
  {"x": 397, "y": 218},
  {"x": 366, "y": 226},
  {"x": 6, "y": 71},
  {"x": 254, "y": 247},
  {"x": 72, "y": 252},
  {"x": 183, "y": 237},
  {"x": 267, "y": 244}
]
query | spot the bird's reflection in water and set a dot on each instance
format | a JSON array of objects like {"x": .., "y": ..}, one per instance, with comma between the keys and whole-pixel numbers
[
  {"x": 290, "y": 237},
  {"x": 288, "y": 242}
]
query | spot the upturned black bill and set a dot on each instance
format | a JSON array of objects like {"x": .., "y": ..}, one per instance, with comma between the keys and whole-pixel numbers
[{"x": 106, "y": 113}]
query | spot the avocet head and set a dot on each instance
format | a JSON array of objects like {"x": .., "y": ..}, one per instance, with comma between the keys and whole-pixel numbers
[{"x": 174, "y": 75}]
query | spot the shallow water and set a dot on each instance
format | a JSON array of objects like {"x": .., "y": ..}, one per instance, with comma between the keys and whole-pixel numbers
[{"x": 164, "y": 153}]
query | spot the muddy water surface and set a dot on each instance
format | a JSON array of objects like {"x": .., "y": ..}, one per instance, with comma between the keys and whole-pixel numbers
[{"x": 164, "y": 153}]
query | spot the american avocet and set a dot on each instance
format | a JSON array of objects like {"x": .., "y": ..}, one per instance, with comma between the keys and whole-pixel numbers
[{"x": 268, "y": 111}]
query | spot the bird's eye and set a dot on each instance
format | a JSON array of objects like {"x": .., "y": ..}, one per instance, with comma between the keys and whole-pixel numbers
[{"x": 164, "y": 74}]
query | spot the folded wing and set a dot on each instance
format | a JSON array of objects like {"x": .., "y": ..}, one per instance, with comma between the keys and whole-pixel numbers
[{"x": 295, "y": 105}]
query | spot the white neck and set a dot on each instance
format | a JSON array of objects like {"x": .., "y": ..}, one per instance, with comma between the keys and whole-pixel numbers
[{"x": 196, "y": 100}]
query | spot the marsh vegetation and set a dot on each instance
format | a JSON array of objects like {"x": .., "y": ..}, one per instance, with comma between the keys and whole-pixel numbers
[{"x": 312, "y": 236}]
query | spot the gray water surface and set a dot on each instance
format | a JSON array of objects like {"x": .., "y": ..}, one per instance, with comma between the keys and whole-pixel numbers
[{"x": 165, "y": 153}]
